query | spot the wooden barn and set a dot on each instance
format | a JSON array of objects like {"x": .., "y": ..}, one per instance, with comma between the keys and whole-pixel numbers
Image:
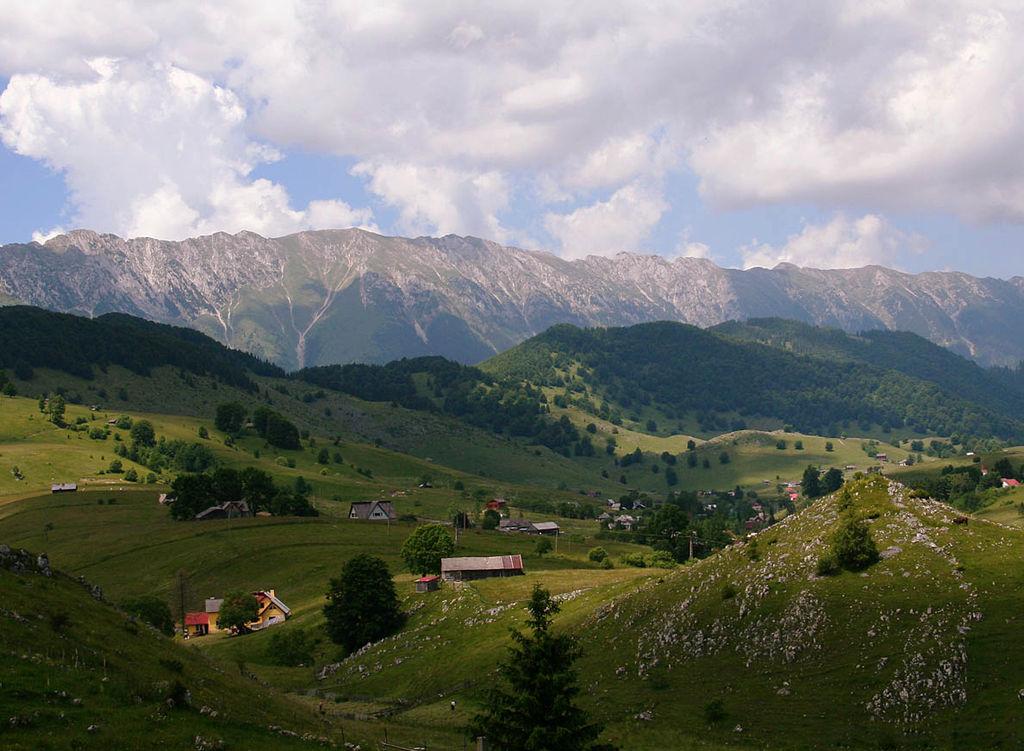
[{"x": 481, "y": 567}]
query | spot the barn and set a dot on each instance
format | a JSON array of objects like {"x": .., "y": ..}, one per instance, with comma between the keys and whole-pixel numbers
[{"x": 481, "y": 567}]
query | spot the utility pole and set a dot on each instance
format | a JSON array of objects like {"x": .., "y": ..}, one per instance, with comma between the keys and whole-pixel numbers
[{"x": 691, "y": 546}]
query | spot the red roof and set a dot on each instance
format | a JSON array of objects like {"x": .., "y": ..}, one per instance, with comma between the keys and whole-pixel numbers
[
  {"x": 1011, "y": 482},
  {"x": 197, "y": 619},
  {"x": 431, "y": 578}
]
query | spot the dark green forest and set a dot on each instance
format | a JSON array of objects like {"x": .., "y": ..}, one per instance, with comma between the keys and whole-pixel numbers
[
  {"x": 680, "y": 368},
  {"x": 35, "y": 338}
]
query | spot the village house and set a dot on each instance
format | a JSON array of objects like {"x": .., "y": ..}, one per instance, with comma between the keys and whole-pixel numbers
[
  {"x": 196, "y": 624},
  {"x": 212, "y": 607},
  {"x": 497, "y": 504},
  {"x": 481, "y": 567},
  {"x": 270, "y": 611},
  {"x": 546, "y": 528},
  {"x": 516, "y": 525},
  {"x": 881, "y": 457},
  {"x": 428, "y": 583},
  {"x": 66, "y": 487},
  {"x": 1009, "y": 482},
  {"x": 625, "y": 521},
  {"x": 227, "y": 510},
  {"x": 372, "y": 511}
]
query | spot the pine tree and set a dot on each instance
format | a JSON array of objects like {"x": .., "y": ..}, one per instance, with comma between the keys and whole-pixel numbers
[{"x": 534, "y": 709}]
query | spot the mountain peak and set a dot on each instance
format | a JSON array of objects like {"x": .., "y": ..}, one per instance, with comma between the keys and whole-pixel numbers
[{"x": 339, "y": 295}]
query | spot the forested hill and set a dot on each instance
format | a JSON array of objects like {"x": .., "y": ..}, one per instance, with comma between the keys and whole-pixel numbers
[
  {"x": 35, "y": 338},
  {"x": 684, "y": 369},
  {"x": 999, "y": 389}
]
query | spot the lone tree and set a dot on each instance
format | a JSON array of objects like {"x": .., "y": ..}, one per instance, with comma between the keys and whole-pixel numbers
[
  {"x": 425, "y": 547},
  {"x": 811, "y": 484},
  {"x": 362, "y": 604},
  {"x": 533, "y": 708},
  {"x": 238, "y": 609}
]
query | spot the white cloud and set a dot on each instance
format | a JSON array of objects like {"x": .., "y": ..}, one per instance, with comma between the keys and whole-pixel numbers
[
  {"x": 621, "y": 223},
  {"x": 838, "y": 244},
  {"x": 440, "y": 200},
  {"x": 451, "y": 107},
  {"x": 153, "y": 150}
]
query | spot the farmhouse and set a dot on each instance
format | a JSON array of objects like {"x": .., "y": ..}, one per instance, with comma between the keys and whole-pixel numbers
[
  {"x": 196, "y": 624},
  {"x": 428, "y": 583},
  {"x": 67, "y": 487},
  {"x": 497, "y": 504},
  {"x": 271, "y": 611},
  {"x": 481, "y": 567},
  {"x": 227, "y": 510},
  {"x": 1009, "y": 482},
  {"x": 372, "y": 510}
]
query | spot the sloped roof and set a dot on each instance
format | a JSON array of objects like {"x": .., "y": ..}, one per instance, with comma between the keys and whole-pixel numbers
[
  {"x": 363, "y": 509},
  {"x": 483, "y": 563},
  {"x": 546, "y": 526},
  {"x": 197, "y": 619},
  {"x": 271, "y": 597}
]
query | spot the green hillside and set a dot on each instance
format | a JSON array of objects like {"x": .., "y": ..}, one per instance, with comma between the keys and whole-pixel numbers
[
  {"x": 685, "y": 372},
  {"x": 902, "y": 351},
  {"x": 79, "y": 674},
  {"x": 746, "y": 649}
]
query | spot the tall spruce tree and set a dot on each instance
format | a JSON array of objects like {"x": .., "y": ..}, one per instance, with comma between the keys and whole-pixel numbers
[{"x": 533, "y": 708}]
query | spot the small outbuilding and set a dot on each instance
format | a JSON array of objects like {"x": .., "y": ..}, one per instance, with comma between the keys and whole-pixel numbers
[
  {"x": 66, "y": 487},
  {"x": 428, "y": 583},
  {"x": 546, "y": 528},
  {"x": 372, "y": 511},
  {"x": 228, "y": 510},
  {"x": 481, "y": 567}
]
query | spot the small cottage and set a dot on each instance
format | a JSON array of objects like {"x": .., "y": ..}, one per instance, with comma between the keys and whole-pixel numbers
[
  {"x": 66, "y": 487},
  {"x": 372, "y": 511},
  {"x": 481, "y": 567},
  {"x": 428, "y": 583},
  {"x": 227, "y": 510},
  {"x": 196, "y": 624},
  {"x": 212, "y": 607},
  {"x": 497, "y": 504}
]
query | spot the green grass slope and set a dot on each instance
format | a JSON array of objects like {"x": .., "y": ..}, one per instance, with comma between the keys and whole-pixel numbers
[
  {"x": 920, "y": 651},
  {"x": 79, "y": 674}
]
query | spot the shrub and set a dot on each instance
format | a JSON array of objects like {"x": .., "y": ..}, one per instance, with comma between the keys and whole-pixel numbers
[
  {"x": 131, "y": 475},
  {"x": 543, "y": 546},
  {"x": 714, "y": 711},
  {"x": 597, "y": 555},
  {"x": 728, "y": 591},
  {"x": 491, "y": 519},
  {"x": 853, "y": 546},
  {"x": 115, "y": 467},
  {"x": 634, "y": 559},
  {"x": 828, "y": 565},
  {"x": 291, "y": 649},
  {"x": 662, "y": 559}
]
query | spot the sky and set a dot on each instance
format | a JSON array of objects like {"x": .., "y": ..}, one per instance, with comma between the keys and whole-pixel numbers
[{"x": 827, "y": 134}]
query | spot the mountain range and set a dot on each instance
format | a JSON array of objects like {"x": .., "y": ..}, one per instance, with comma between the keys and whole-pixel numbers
[{"x": 333, "y": 296}]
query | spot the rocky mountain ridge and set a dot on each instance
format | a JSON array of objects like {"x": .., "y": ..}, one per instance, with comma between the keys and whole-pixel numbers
[{"x": 349, "y": 295}]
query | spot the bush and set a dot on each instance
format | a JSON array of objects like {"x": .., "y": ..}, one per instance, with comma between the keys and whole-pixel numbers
[
  {"x": 597, "y": 555},
  {"x": 203, "y": 432},
  {"x": 828, "y": 565},
  {"x": 131, "y": 475},
  {"x": 714, "y": 711},
  {"x": 491, "y": 519},
  {"x": 853, "y": 546},
  {"x": 634, "y": 559},
  {"x": 115, "y": 467},
  {"x": 151, "y": 610},
  {"x": 543, "y": 546},
  {"x": 728, "y": 591},
  {"x": 662, "y": 559},
  {"x": 291, "y": 649},
  {"x": 607, "y": 563}
]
